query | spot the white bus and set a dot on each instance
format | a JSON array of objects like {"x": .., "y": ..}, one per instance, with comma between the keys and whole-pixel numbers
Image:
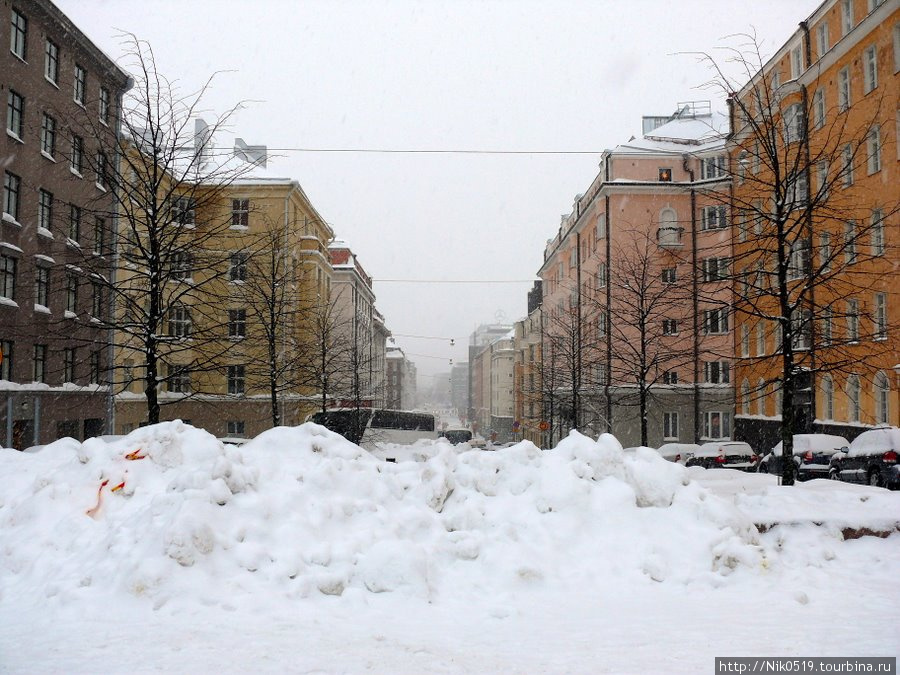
[{"x": 368, "y": 427}]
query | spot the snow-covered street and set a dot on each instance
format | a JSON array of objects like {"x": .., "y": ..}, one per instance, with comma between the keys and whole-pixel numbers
[{"x": 298, "y": 552}]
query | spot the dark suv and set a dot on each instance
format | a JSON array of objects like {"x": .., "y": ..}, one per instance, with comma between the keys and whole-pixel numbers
[{"x": 871, "y": 458}]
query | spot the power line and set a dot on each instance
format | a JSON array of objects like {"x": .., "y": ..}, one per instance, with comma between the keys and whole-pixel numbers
[
  {"x": 438, "y": 151},
  {"x": 423, "y": 337},
  {"x": 454, "y": 281}
]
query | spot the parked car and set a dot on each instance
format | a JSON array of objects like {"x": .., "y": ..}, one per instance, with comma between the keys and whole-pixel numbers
[
  {"x": 725, "y": 455},
  {"x": 456, "y": 435},
  {"x": 812, "y": 455},
  {"x": 871, "y": 458},
  {"x": 678, "y": 452}
]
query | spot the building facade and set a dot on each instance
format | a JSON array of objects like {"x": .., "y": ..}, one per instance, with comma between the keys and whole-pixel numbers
[{"x": 63, "y": 101}]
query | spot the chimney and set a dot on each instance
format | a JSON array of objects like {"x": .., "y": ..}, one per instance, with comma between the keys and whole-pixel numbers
[
  {"x": 252, "y": 154},
  {"x": 202, "y": 138}
]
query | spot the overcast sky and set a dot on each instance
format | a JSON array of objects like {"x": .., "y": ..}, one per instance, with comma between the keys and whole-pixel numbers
[{"x": 502, "y": 75}]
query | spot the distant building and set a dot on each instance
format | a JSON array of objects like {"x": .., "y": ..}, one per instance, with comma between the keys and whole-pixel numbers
[
  {"x": 482, "y": 336},
  {"x": 459, "y": 383},
  {"x": 401, "y": 380}
]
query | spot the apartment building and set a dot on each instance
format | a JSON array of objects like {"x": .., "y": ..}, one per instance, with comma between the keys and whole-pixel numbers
[
  {"x": 528, "y": 400},
  {"x": 818, "y": 211},
  {"x": 63, "y": 101},
  {"x": 636, "y": 319},
  {"x": 401, "y": 380},
  {"x": 251, "y": 299}
]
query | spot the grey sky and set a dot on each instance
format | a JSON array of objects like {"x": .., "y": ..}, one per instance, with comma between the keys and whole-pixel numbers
[{"x": 499, "y": 75}]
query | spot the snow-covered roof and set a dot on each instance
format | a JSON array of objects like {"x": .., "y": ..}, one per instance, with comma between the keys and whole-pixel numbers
[{"x": 696, "y": 133}]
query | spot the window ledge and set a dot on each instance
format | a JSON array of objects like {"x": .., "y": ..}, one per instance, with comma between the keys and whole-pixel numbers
[
  {"x": 7, "y": 218},
  {"x": 43, "y": 309},
  {"x": 239, "y": 228},
  {"x": 100, "y": 187},
  {"x": 69, "y": 314},
  {"x": 80, "y": 104},
  {"x": 75, "y": 172},
  {"x": 51, "y": 81},
  {"x": 47, "y": 155},
  {"x": 9, "y": 302},
  {"x": 44, "y": 232},
  {"x": 19, "y": 57},
  {"x": 14, "y": 136},
  {"x": 71, "y": 243}
]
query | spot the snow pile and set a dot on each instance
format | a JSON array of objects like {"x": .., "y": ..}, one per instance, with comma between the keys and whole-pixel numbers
[{"x": 170, "y": 512}]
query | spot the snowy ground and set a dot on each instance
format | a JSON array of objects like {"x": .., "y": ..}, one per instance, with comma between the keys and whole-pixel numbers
[{"x": 300, "y": 553}]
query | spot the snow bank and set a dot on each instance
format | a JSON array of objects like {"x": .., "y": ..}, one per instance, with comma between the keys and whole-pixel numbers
[{"x": 170, "y": 512}]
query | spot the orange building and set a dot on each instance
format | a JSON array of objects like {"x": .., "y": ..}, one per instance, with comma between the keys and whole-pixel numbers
[{"x": 816, "y": 168}]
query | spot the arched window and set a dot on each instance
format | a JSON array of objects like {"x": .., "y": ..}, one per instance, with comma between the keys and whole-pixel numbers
[
  {"x": 882, "y": 394},
  {"x": 853, "y": 398},
  {"x": 669, "y": 233},
  {"x": 745, "y": 397},
  {"x": 778, "y": 395},
  {"x": 761, "y": 397},
  {"x": 827, "y": 398}
]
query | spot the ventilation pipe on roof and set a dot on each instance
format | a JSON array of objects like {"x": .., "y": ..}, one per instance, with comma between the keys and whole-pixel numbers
[
  {"x": 202, "y": 141},
  {"x": 252, "y": 154}
]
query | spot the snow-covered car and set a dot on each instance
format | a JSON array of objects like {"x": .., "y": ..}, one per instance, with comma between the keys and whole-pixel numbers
[
  {"x": 812, "y": 455},
  {"x": 725, "y": 455},
  {"x": 679, "y": 453},
  {"x": 870, "y": 458},
  {"x": 457, "y": 435}
]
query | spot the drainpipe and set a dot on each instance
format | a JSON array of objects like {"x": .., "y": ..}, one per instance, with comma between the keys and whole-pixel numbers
[
  {"x": 608, "y": 232},
  {"x": 576, "y": 386},
  {"x": 695, "y": 300}
]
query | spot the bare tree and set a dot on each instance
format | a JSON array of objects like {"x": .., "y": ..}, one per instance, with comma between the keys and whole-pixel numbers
[
  {"x": 171, "y": 238},
  {"x": 810, "y": 236},
  {"x": 325, "y": 367}
]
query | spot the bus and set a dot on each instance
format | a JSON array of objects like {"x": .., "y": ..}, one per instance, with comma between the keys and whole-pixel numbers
[{"x": 368, "y": 427}]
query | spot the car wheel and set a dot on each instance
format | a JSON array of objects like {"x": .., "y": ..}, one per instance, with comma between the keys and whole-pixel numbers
[
  {"x": 875, "y": 478},
  {"x": 834, "y": 474},
  {"x": 763, "y": 468}
]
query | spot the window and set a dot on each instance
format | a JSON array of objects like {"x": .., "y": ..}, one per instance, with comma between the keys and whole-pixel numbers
[
  {"x": 879, "y": 316},
  {"x": 713, "y": 167},
  {"x": 716, "y": 424},
  {"x": 99, "y": 235},
  {"x": 745, "y": 397},
  {"x": 853, "y": 398},
  {"x": 6, "y": 349},
  {"x": 793, "y": 123},
  {"x": 94, "y": 367},
  {"x": 847, "y": 21},
  {"x": 240, "y": 212},
  {"x": 822, "y": 38},
  {"x": 237, "y": 323},
  {"x": 828, "y": 398},
  {"x": 670, "y": 426},
  {"x": 670, "y": 327},
  {"x": 819, "y": 108},
  {"x": 601, "y": 226},
  {"x": 870, "y": 69},
  {"x": 178, "y": 380},
  {"x": 601, "y": 276},
  {"x": 717, "y": 372},
  {"x": 235, "y": 429},
  {"x": 742, "y": 166},
  {"x": 873, "y": 144},
  {"x": 80, "y": 84},
  {"x": 882, "y": 394},
  {"x": 848, "y": 165},
  {"x": 15, "y": 115},
  {"x": 179, "y": 321},
  {"x": 71, "y": 292},
  {"x": 853, "y": 320},
  {"x": 670, "y": 377},
  {"x": 41, "y": 286},
  {"x": 844, "y": 89},
  {"x": 796, "y": 62},
  {"x": 17, "y": 34},
  {"x": 68, "y": 364},
  {"x": 11, "y": 183},
  {"x": 801, "y": 329},
  {"x": 669, "y": 275},
  {"x": 96, "y": 300},
  {"x": 665, "y": 175},
  {"x": 715, "y": 321},
  {"x": 850, "y": 242},
  {"x": 897, "y": 47},
  {"x": 39, "y": 363},
  {"x": 181, "y": 265},
  {"x": 104, "y": 105},
  {"x": 669, "y": 234},
  {"x": 48, "y": 135},
  {"x": 101, "y": 170},
  {"x": 825, "y": 252},
  {"x": 45, "y": 210},
  {"x": 713, "y": 217},
  {"x": 798, "y": 260},
  {"x": 745, "y": 340},
  {"x": 74, "y": 223},
  {"x": 601, "y": 324},
  {"x": 51, "y": 61},
  {"x": 760, "y": 397},
  {"x": 827, "y": 327},
  {"x": 8, "y": 277},
  {"x": 236, "y": 380},
  {"x": 237, "y": 267},
  {"x": 821, "y": 179},
  {"x": 77, "y": 163},
  {"x": 877, "y": 232},
  {"x": 184, "y": 210},
  {"x": 715, "y": 269}
]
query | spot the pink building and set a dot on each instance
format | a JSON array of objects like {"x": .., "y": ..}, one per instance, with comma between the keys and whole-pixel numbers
[{"x": 636, "y": 325}]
